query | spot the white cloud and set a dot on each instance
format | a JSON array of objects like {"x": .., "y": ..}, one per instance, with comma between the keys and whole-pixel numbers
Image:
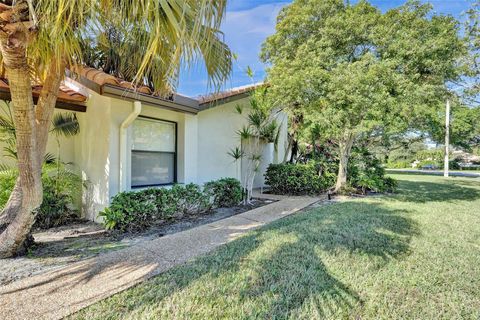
[{"x": 246, "y": 30}]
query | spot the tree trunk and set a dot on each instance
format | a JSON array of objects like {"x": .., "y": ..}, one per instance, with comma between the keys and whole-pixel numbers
[
  {"x": 46, "y": 104},
  {"x": 345, "y": 148},
  {"x": 13, "y": 48},
  {"x": 294, "y": 153}
]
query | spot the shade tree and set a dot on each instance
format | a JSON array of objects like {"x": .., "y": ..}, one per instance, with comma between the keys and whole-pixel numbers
[{"x": 355, "y": 70}]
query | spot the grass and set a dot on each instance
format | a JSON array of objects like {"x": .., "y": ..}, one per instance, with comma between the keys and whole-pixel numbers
[{"x": 413, "y": 255}]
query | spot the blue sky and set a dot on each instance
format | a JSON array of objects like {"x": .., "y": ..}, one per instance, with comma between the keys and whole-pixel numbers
[{"x": 249, "y": 22}]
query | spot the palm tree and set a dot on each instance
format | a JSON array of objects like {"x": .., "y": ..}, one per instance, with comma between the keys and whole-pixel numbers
[{"x": 39, "y": 39}]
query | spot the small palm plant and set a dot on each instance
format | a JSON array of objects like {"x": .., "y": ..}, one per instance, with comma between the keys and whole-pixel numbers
[
  {"x": 237, "y": 155},
  {"x": 260, "y": 128}
]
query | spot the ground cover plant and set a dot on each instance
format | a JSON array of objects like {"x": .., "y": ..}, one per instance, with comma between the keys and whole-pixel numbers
[{"x": 410, "y": 255}]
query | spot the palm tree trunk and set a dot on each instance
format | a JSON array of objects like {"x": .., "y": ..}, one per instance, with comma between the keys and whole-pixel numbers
[
  {"x": 345, "y": 148},
  {"x": 46, "y": 104},
  {"x": 13, "y": 48},
  {"x": 43, "y": 114}
]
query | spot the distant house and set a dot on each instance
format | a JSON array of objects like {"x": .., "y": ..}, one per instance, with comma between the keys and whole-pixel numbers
[{"x": 131, "y": 138}]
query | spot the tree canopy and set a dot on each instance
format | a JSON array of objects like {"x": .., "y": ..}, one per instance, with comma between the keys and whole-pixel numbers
[{"x": 354, "y": 69}]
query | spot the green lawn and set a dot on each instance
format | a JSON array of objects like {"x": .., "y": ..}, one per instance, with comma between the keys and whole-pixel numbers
[{"x": 415, "y": 255}]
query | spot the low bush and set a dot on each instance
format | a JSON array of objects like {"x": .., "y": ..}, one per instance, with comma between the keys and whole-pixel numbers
[
  {"x": 190, "y": 199},
  {"x": 138, "y": 210},
  {"x": 298, "y": 179},
  {"x": 226, "y": 192},
  {"x": 399, "y": 165},
  {"x": 366, "y": 173},
  {"x": 130, "y": 211},
  {"x": 61, "y": 187},
  {"x": 452, "y": 164}
]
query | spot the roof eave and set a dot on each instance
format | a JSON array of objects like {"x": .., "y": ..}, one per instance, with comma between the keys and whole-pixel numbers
[
  {"x": 60, "y": 103},
  {"x": 125, "y": 94},
  {"x": 220, "y": 101}
]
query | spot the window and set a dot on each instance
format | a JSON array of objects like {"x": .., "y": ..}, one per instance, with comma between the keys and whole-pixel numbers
[{"x": 153, "y": 153}]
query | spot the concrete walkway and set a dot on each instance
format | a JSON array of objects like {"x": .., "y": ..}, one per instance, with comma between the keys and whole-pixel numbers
[{"x": 56, "y": 294}]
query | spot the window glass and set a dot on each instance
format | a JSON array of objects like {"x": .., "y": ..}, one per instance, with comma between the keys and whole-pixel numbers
[
  {"x": 153, "y": 153},
  {"x": 152, "y": 168},
  {"x": 151, "y": 135}
]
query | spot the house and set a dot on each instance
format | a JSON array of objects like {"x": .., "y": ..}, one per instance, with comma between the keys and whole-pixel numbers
[{"x": 131, "y": 138}]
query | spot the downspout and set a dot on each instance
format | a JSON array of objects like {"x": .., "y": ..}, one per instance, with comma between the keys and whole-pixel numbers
[{"x": 137, "y": 108}]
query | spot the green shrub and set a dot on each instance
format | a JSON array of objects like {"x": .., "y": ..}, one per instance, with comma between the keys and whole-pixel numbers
[
  {"x": 390, "y": 184},
  {"x": 366, "y": 173},
  {"x": 191, "y": 199},
  {"x": 226, "y": 192},
  {"x": 139, "y": 210},
  {"x": 56, "y": 209},
  {"x": 399, "y": 165},
  {"x": 298, "y": 179},
  {"x": 166, "y": 202},
  {"x": 130, "y": 211},
  {"x": 61, "y": 193},
  {"x": 61, "y": 189},
  {"x": 452, "y": 164}
]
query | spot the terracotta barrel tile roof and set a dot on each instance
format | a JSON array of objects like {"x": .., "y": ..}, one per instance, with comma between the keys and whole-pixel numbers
[
  {"x": 65, "y": 93},
  {"x": 101, "y": 78}
]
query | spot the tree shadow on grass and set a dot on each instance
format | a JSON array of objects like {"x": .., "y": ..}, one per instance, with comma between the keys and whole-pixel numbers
[
  {"x": 423, "y": 191},
  {"x": 303, "y": 286},
  {"x": 279, "y": 271}
]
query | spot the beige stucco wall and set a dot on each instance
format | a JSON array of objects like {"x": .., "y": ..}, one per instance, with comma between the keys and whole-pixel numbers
[{"x": 217, "y": 135}]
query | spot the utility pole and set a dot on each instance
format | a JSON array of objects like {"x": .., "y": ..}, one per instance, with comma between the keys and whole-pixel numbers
[{"x": 447, "y": 139}]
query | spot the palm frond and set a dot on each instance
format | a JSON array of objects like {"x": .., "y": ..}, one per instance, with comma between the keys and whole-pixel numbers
[
  {"x": 269, "y": 131},
  {"x": 10, "y": 149},
  {"x": 245, "y": 133},
  {"x": 236, "y": 153},
  {"x": 256, "y": 119},
  {"x": 239, "y": 108},
  {"x": 5, "y": 168},
  {"x": 65, "y": 124},
  {"x": 155, "y": 38},
  {"x": 49, "y": 158},
  {"x": 147, "y": 41}
]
